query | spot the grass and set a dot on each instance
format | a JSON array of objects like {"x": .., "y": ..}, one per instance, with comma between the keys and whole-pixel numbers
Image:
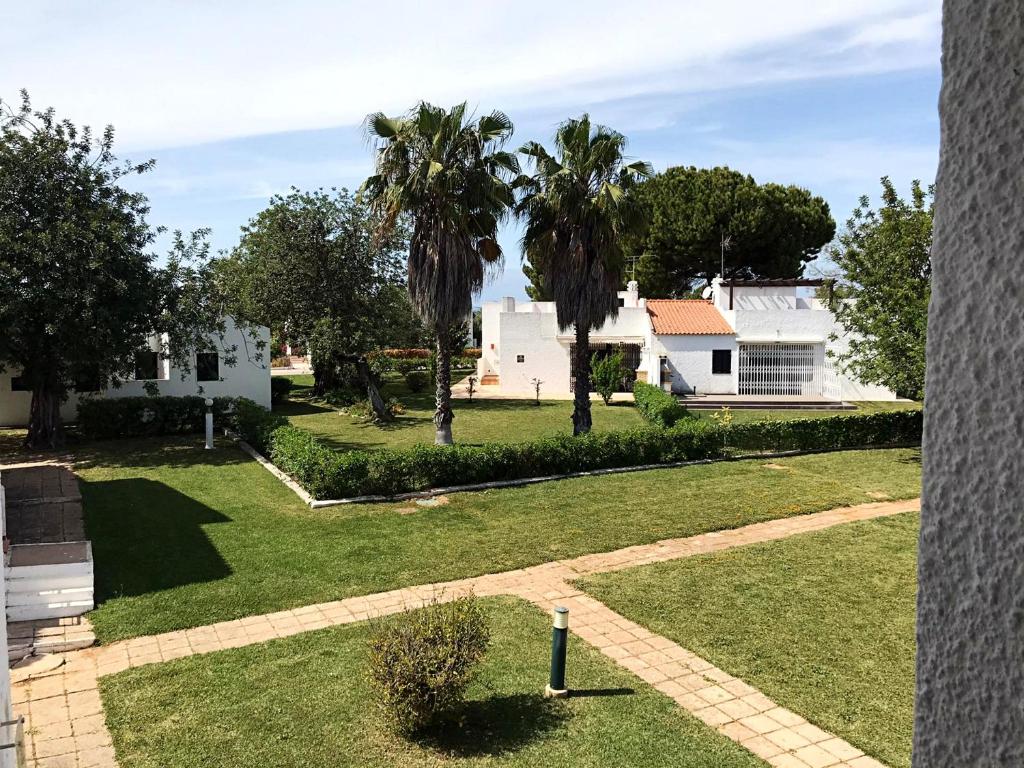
[
  {"x": 482, "y": 421},
  {"x": 476, "y": 422},
  {"x": 184, "y": 537},
  {"x": 303, "y": 701},
  {"x": 823, "y": 623}
]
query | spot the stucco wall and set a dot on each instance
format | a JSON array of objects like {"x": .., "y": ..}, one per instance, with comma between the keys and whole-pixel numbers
[
  {"x": 248, "y": 378},
  {"x": 689, "y": 359},
  {"x": 970, "y": 667}
]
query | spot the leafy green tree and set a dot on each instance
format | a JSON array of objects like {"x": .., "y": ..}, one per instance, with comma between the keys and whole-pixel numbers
[
  {"x": 80, "y": 295},
  {"x": 885, "y": 284},
  {"x": 310, "y": 265},
  {"x": 450, "y": 175},
  {"x": 609, "y": 371},
  {"x": 578, "y": 211},
  {"x": 700, "y": 215}
]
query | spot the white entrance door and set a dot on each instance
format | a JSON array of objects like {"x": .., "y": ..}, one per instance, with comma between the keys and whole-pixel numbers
[{"x": 778, "y": 369}]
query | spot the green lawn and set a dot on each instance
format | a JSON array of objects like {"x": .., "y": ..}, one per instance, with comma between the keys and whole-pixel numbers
[
  {"x": 483, "y": 421},
  {"x": 303, "y": 702},
  {"x": 476, "y": 422},
  {"x": 823, "y": 623},
  {"x": 184, "y": 537}
]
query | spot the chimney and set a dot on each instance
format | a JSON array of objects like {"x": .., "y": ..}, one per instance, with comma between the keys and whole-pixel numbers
[
  {"x": 508, "y": 304},
  {"x": 632, "y": 294}
]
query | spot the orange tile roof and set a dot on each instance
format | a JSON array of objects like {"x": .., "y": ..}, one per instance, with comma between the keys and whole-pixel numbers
[{"x": 687, "y": 316}]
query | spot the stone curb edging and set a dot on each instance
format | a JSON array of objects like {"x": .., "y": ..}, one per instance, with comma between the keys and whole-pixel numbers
[{"x": 495, "y": 484}]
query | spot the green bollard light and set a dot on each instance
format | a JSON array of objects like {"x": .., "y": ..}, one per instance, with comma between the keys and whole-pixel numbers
[{"x": 559, "y": 636}]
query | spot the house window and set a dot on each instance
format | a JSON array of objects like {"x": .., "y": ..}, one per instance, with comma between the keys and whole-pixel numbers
[
  {"x": 18, "y": 384},
  {"x": 721, "y": 361},
  {"x": 520, "y": 358},
  {"x": 207, "y": 366},
  {"x": 622, "y": 301},
  {"x": 146, "y": 366}
]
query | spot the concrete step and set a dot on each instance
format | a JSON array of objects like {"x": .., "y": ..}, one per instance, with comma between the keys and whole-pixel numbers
[
  {"x": 48, "y": 636},
  {"x": 49, "y": 581},
  {"x": 710, "y": 404}
]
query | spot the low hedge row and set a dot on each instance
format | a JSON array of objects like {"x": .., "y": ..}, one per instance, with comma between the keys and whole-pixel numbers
[
  {"x": 656, "y": 405},
  {"x": 326, "y": 473},
  {"x": 827, "y": 433},
  {"x": 101, "y": 418}
]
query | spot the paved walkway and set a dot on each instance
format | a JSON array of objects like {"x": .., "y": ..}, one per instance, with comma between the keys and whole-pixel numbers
[{"x": 65, "y": 718}]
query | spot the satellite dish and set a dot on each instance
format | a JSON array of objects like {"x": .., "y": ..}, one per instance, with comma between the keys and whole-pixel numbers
[{"x": 706, "y": 293}]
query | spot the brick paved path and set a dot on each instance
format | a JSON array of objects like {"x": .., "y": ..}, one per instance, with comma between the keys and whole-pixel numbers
[{"x": 65, "y": 717}]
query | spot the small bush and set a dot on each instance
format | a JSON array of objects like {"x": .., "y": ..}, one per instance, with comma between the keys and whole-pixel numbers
[
  {"x": 413, "y": 354},
  {"x": 341, "y": 397},
  {"x": 607, "y": 374},
  {"x": 280, "y": 361},
  {"x": 416, "y": 381},
  {"x": 421, "y": 662},
  {"x": 280, "y": 386},
  {"x": 101, "y": 418},
  {"x": 829, "y": 433},
  {"x": 656, "y": 405}
]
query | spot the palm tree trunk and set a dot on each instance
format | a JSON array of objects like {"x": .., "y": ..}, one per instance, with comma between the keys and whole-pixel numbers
[
  {"x": 443, "y": 392},
  {"x": 581, "y": 420},
  {"x": 45, "y": 428}
]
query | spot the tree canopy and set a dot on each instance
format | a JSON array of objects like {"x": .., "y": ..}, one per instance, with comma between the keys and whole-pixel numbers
[
  {"x": 80, "y": 294},
  {"x": 578, "y": 211},
  {"x": 311, "y": 267},
  {"x": 884, "y": 288},
  {"x": 770, "y": 230},
  {"x": 449, "y": 174}
]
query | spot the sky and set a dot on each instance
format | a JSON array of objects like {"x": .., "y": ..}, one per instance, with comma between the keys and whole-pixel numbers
[{"x": 237, "y": 101}]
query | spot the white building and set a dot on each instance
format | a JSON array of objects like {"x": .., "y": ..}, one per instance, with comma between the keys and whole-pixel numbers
[
  {"x": 209, "y": 376},
  {"x": 756, "y": 338}
]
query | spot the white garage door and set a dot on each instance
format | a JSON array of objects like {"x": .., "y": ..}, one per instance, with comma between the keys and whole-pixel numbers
[{"x": 777, "y": 369}]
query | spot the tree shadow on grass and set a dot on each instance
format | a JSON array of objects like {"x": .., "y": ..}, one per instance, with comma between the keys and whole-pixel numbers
[
  {"x": 496, "y": 726},
  {"x": 914, "y": 458},
  {"x": 156, "y": 452},
  {"x": 147, "y": 537}
]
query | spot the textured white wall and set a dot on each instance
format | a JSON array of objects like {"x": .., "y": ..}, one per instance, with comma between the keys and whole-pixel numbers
[
  {"x": 969, "y": 708},
  {"x": 689, "y": 358},
  {"x": 247, "y": 378}
]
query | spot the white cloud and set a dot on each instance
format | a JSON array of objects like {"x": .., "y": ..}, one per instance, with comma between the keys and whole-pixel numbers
[{"x": 179, "y": 73}]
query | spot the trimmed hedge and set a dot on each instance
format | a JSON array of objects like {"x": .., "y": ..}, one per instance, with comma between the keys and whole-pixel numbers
[
  {"x": 656, "y": 405},
  {"x": 329, "y": 474},
  {"x": 280, "y": 387},
  {"x": 827, "y": 433},
  {"x": 101, "y": 418}
]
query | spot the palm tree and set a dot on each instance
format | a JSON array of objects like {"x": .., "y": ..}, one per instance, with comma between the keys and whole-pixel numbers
[
  {"x": 577, "y": 211},
  {"x": 450, "y": 176}
]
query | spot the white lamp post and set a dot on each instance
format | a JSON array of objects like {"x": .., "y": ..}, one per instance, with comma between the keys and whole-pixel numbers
[{"x": 209, "y": 424}]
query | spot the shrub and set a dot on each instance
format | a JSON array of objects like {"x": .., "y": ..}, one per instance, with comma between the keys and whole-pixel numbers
[
  {"x": 341, "y": 397},
  {"x": 101, "y": 418},
  {"x": 421, "y": 662},
  {"x": 473, "y": 352},
  {"x": 416, "y": 381},
  {"x": 607, "y": 374},
  {"x": 280, "y": 386},
  {"x": 415, "y": 354},
  {"x": 328, "y": 474},
  {"x": 656, "y": 405},
  {"x": 831, "y": 432},
  {"x": 255, "y": 424},
  {"x": 280, "y": 361}
]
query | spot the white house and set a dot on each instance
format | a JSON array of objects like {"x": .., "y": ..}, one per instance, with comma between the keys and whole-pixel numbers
[
  {"x": 209, "y": 376},
  {"x": 756, "y": 338}
]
